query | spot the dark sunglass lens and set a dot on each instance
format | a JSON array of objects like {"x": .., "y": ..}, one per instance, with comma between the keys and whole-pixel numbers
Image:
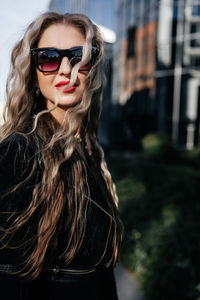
[
  {"x": 74, "y": 61},
  {"x": 48, "y": 60},
  {"x": 86, "y": 67},
  {"x": 76, "y": 56}
]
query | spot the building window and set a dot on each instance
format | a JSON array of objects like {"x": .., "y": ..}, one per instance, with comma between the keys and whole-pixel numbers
[{"x": 131, "y": 41}]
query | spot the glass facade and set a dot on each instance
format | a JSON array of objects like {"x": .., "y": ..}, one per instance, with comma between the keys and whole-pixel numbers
[
  {"x": 157, "y": 43},
  {"x": 101, "y": 11},
  {"x": 156, "y": 62}
]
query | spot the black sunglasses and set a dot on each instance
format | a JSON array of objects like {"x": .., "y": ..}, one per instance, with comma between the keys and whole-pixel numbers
[{"x": 49, "y": 59}]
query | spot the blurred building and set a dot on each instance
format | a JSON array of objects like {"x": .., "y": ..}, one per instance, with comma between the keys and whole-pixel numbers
[
  {"x": 135, "y": 49},
  {"x": 191, "y": 60},
  {"x": 156, "y": 69},
  {"x": 178, "y": 70},
  {"x": 153, "y": 74},
  {"x": 133, "y": 68},
  {"x": 100, "y": 11}
]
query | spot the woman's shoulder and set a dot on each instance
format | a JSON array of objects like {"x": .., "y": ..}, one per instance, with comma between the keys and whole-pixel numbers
[
  {"x": 16, "y": 159},
  {"x": 16, "y": 147},
  {"x": 12, "y": 145},
  {"x": 18, "y": 141},
  {"x": 13, "y": 140}
]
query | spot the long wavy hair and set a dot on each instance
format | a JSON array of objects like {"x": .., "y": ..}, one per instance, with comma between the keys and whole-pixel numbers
[{"x": 57, "y": 145}]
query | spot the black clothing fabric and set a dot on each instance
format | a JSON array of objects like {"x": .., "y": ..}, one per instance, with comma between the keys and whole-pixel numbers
[
  {"x": 59, "y": 285},
  {"x": 59, "y": 282}
]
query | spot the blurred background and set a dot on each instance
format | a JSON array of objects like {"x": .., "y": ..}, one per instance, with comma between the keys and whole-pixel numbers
[{"x": 149, "y": 129}]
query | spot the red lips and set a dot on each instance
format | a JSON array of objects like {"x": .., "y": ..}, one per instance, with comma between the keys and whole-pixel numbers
[
  {"x": 62, "y": 83},
  {"x": 70, "y": 89}
]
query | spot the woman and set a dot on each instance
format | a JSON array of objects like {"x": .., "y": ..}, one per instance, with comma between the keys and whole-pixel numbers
[{"x": 60, "y": 233}]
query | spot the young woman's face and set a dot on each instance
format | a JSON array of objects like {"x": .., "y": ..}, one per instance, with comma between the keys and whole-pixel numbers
[{"x": 61, "y": 36}]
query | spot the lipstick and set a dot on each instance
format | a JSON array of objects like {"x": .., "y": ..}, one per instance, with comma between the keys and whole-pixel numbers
[
  {"x": 70, "y": 89},
  {"x": 60, "y": 84}
]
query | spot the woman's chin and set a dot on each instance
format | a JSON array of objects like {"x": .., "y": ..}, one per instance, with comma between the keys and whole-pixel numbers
[
  {"x": 64, "y": 102},
  {"x": 68, "y": 103}
]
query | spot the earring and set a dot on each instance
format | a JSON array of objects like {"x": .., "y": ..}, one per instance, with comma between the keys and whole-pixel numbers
[{"x": 36, "y": 89}]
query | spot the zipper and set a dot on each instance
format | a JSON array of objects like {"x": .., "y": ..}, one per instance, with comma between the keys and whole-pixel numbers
[{"x": 72, "y": 271}]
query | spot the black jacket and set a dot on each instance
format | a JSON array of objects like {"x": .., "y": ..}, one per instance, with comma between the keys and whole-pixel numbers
[{"x": 13, "y": 171}]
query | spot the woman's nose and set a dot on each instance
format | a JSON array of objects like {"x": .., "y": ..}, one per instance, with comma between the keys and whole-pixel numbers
[{"x": 65, "y": 67}]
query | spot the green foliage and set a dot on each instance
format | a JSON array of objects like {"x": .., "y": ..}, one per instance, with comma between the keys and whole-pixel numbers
[
  {"x": 155, "y": 143},
  {"x": 160, "y": 210}
]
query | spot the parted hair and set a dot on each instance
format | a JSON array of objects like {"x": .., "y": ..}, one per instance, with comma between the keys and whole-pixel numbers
[{"x": 57, "y": 145}]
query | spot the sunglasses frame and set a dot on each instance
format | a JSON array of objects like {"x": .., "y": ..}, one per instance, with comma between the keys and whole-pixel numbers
[{"x": 63, "y": 53}]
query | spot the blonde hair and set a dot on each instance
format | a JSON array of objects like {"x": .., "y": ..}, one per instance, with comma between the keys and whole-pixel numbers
[{"x": 56, "y": 144}]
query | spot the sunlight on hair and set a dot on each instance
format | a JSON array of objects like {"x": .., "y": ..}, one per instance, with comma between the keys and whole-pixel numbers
[{"x": 1, "y": 112}]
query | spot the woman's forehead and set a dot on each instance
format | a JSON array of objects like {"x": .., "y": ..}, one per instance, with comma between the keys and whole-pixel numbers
[{"x": 62, "y": 36}]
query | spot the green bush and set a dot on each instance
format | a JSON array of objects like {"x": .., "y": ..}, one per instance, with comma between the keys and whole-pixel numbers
[{"x": 160, "y": 209}]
